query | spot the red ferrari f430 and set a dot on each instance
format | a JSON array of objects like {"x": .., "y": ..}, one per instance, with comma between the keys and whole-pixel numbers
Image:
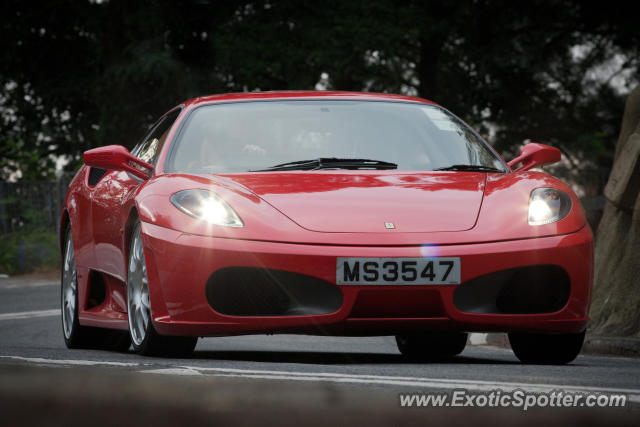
[{"x": 329, "y": 213}]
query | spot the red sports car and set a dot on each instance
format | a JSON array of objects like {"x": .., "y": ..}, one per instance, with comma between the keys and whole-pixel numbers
[{"x": 322, "y": 212}]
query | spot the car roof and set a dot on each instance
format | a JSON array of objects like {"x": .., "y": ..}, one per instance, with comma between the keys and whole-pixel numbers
[{"x": 247, "y": 96}]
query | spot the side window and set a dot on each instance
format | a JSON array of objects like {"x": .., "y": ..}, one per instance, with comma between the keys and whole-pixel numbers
[{"x": 149, "y": 148}]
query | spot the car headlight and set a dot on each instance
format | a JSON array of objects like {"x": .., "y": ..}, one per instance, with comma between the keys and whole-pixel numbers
[
  {"x": 207, "y": 206},
  {"x": 547, "y": 205}
]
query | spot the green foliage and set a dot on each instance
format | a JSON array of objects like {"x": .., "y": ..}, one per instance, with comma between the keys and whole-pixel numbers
[
  {"x": 79, "y": 74},
  {"x": 24, "y": 252},
  {"x": 30, "y": 244}
]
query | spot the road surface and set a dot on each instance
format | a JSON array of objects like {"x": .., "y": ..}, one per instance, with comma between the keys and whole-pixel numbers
[{"x": 282, "y": 374}]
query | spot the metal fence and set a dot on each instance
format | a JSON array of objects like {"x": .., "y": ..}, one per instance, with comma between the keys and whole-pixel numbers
[{"x": 32, "y": 205}]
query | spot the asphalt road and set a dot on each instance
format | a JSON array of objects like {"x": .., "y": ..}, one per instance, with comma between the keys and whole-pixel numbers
[{"x": 277, "y": 372}]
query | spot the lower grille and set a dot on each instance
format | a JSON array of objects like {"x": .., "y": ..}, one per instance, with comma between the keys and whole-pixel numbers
[
  {"x": 252, "y": 291},
  {"x": 526, "y": 290}
]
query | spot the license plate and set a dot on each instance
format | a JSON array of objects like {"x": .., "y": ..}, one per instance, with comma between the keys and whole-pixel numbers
[{"x": 398, "y": 271}]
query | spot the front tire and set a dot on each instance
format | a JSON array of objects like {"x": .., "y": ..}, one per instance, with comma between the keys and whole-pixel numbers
[
  {"x": 76, "y": 335},
  {"x": 546, "y": 349},
  {"x": 144, "y": 338},
  {"x": 431, "y": 346}
]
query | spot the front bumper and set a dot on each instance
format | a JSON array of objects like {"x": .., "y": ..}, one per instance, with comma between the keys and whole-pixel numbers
[{"x": 179, "y": 266}]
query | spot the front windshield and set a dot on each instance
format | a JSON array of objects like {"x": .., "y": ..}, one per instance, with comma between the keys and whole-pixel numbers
[{"x": 247, "y": 136}]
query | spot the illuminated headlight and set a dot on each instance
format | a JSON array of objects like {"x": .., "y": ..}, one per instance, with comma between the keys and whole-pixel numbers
[
  {"x": 547, "y": 205},
  {"x": 207, "y": 206}
]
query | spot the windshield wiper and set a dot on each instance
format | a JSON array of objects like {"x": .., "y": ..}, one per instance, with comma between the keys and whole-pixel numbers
[
  {"x": 469, "y": 168},
  {"x": 330, "y": 163}
]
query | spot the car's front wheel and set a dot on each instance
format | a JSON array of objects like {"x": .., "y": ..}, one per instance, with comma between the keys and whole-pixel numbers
[
  {"x": 76, "y": 335},
  {"x": 546, "y": 349},
  {"x": 144, "y": 338},
  {"x": 432, "y": 345}
]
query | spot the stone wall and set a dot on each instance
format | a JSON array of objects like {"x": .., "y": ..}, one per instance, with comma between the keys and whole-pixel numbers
[{"x": 615, "y": 309}]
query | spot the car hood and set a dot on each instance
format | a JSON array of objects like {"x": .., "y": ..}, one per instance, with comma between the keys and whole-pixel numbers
[{"x": 365, "y": 202}]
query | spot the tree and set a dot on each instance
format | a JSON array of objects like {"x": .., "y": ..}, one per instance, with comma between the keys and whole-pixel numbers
[{"x": 79, "y": 74}]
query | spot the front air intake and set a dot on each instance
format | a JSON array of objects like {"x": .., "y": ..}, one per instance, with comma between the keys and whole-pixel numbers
[
  {"x": 253, "y": 291},
  {"x": 525, "y": 290}
]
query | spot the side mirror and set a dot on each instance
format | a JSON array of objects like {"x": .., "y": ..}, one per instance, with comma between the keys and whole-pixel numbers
[
  {"x": 116, "y": 157},
  {"x": 534, "y": 154}
]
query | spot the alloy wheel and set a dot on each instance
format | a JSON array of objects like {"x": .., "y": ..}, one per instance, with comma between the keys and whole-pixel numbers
[
  {"x": 69, "y": 288},
  {"x": 138, "y": 291}
]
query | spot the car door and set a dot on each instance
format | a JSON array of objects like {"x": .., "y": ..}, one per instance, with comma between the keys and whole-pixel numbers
[{"x": 110, "y": 194}]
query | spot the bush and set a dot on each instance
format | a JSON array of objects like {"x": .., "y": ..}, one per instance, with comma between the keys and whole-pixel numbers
[{"x": 27, "y": 251}]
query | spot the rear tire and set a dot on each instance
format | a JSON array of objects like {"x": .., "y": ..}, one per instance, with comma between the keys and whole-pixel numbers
[
  {"x": 144, "y": 338},
  {"x": 546, "y": 349},
  {"x": 431, "y": 346},
  {"x": 76, "y": 335}
]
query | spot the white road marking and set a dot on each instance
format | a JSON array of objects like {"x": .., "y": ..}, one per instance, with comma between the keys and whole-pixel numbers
[
  {"x": 476, "y": 385},
  {"x": 478, "y": 339},
  {"x": 173, "y": 371},
  {"x": 11, "y": 284},
  {"x": 71, "y": 362},
  {"x": 633, "y": 395},
  {"x": 30, "y": 314}
]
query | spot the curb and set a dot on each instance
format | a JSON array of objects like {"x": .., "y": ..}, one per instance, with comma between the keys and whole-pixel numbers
[
  {"x": 593, "y": 344},
  {"x": 30, "y": 280},
  {"x": 494, "y": 339},
  {"x": 616, "y": 346}
]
